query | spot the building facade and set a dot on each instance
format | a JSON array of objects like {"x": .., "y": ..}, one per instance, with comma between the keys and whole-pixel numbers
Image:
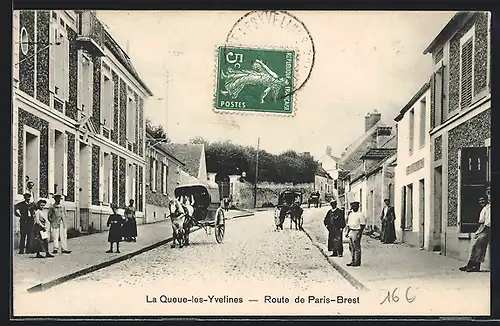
[
  {"x": 413, "y": 173},
  {"x": 460, "y": 129},
  {"x": 78, "y": 121},
  {"x": 162, "y": 176},
  {"x": 330, "y": 163},
  {"x": 193, "y": 157}
]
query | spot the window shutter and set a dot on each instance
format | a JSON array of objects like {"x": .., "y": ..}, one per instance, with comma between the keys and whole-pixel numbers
[
  {"x": 65, "y": 67},
  {"x": 90, "y": 87},
  {"x": 51, "y": 160},
  {"x": 110, "y": 180},
  {"x": 134, "y": 175},
  {"x": 433, "y": 100},
  {"x": 80, "y": 81},
  {"x": 101, "y": 176},
  {"x": 103, "y": 100},
  {"x": 164, "y": 179},
  {"x": 52, "y": 60},
  {"x": 111, "y": 104},
  {"x": 65, "y": 164},
  {"x": 466, "y": 74}
]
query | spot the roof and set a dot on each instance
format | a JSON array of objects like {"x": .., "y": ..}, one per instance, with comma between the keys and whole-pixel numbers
[
  {"x": 343, "y": 174},
  {"x": 206, "y": 184},
  {"x": 374, "y": 153},
  {"x": 379, "y": 165},
  {"x": 454, "y": 24},
  {"x": 190, "y": 154},
  {"x": 164, "y": 149},
  {"x": 335, "y": 158},
  {"x": 320, "y": 171},
  {"x": 412, "y": 101},
  {"x": 124, "y": 59}
]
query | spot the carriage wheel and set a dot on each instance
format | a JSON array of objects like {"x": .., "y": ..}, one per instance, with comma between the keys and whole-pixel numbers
[{"x": 220, "y": 226}]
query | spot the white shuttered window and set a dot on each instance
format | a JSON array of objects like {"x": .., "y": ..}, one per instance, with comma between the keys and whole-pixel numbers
[
  {"x": 467, "y": 69},
  {"x": 85, "y": 83}
]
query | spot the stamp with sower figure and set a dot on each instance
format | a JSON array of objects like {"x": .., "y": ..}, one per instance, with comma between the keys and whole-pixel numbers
[{"x": 267, "y": 57}]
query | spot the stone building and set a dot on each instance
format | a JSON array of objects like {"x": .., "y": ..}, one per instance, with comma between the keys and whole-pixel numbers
[
  {"x": 460, "y": 128},
  {"x": 413, "y": 184},
  {"x": 78, "y": 121},
  {"x": 162, "y": 176}
]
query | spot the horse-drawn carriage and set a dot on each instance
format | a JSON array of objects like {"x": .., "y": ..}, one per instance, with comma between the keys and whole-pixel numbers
[
  {"x": 314, "y": 199},
  {"x": 289, "y": 202},
  {"x": 206, "y": 211}
]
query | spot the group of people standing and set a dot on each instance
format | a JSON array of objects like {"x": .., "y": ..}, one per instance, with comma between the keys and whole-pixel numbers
[
  {"x": 37, "y": 226},
  {"x": 353, "y": 225},
  {"x": 121, "y": 228}
]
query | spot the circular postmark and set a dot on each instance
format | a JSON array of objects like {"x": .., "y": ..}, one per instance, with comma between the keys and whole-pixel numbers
[{"x": 276, "y": 29}]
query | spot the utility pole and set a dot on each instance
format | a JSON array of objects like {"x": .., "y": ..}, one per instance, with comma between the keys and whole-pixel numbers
[{"x": 256, "y": 174}]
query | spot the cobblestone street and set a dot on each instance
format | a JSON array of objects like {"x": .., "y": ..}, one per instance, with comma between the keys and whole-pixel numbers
[{"x": 252, "y": 262}]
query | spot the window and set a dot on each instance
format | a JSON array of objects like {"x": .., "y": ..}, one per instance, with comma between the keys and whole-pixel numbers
[
  {"x": 24, "y": 41},
  {"x": 164, "y": 182},
  {"x": 153, "y": 174},
  {"x": 360, "y": 199},
  {"x": 411, "y": 130},
  {"x": 439, "y": 95},
  {"x": 85, "y": 83},
  {"x": 131, "y": 182},
  {"x": 58, "y": 60},
  {"x": 467, "y": 69},
  {"x": 131, "y": 119},
  {"x": 107, "y": 100},
  {"x": 108, "y": 179},
  {"x": 409, "y": 207},
  {"x": 423, "y": 122}
]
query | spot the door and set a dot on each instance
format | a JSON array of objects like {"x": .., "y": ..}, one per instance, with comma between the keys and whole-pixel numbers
[
  {"x": 473, "y": 177},
  {"x": 84, "y": 189},
  {"x": 421, "y": 213},
  {"x": 438, "y": 208}
]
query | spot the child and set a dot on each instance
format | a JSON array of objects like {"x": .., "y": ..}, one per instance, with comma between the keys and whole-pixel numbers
[{"x": 115, "y": 223}]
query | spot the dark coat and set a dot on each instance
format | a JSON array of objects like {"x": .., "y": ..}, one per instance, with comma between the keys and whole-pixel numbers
[
  {"x": 335, "y": 219},
  {"x": 391, "y": 215}
]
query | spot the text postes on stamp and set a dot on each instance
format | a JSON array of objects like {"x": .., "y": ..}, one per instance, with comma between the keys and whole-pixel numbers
[
  {"x": 275, "y": 29},
  {"x": 255, "y": 80}
]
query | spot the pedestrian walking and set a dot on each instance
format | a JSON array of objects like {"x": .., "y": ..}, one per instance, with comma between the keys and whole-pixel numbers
[
  {"x": 130, "y": 226},
  {"x": 115, "y": 224},
  {"x": 480, "y": 239},
  {"x": 335, "y": 223},
  {"x": 57, "y": 217},
  {"x": 388, "y": 231},
  {"x": 41, "y": 238},
  {"x": 356, "y": 223},
  {"x": 24, "y": 210}
]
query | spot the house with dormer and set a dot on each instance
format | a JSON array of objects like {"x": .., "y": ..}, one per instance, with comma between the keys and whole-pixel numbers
[{"x": 78, "y": 117}]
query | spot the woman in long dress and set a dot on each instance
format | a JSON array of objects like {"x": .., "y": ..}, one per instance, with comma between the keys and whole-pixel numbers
[
  {"x": 40, "y": 230},
  {"x": 388, "y": 231},
  {"x": 130, "y": 233},
  {"x": 115, "y": 223}
]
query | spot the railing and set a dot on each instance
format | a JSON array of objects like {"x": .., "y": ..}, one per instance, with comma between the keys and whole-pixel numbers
[{"x": 91, "y": 33}]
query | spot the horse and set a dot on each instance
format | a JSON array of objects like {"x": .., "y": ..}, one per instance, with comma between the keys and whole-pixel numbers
[
  {"x": 177, "y": 217},
  {"x": 188, "y": 206},
  {"x": 295, "y": 213}
]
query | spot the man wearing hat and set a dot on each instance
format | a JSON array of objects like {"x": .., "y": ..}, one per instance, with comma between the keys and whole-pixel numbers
[
  {"x": 57, "y": 218},
  {"x": 24, "y": 210},
  {"x": 335, "y": 222},
  {"x": 356, "y": 222}
]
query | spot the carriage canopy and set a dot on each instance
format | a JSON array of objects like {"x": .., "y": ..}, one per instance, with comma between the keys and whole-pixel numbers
[
  {"x": 289, "y": 197},
  {"x": 204, "y": 193}
]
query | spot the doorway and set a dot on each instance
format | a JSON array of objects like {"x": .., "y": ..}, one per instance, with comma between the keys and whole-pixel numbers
[
  {"x": 421, "y": 213},
  {"x": 84, "y": 191},
  {"x": 438, "y": 208},
  {"x": 32, "y": 161}
]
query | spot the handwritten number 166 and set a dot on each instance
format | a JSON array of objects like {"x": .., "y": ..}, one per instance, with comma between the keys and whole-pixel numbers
[{"x": 393, "y": 297}]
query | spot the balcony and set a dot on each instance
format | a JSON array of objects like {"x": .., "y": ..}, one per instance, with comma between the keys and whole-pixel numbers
[{"x": 91, "y": 33}]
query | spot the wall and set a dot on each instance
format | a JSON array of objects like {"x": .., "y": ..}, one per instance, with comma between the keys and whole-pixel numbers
[{"x": 268, "y": 192}]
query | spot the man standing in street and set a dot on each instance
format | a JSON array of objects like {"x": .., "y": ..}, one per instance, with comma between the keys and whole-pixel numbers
[
  {"x": 57, "y": 218},
  {"x": 335, "y": 223},
  {"x": 356, "y": 222},
  {"x": 24, "y": 210},
  {"x": 480, "y": 239}
]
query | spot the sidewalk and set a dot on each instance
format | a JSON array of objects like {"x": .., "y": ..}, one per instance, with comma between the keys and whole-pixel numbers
[
  {"x": 89, "y": 251},
  {"x": 387, "y": 266}
]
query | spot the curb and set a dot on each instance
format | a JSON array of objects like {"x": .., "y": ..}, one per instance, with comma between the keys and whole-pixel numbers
[
  {"x": 242, "y": 215},
  {"x": 351, "y": 279},
  {"x": 50, "y": 284}
]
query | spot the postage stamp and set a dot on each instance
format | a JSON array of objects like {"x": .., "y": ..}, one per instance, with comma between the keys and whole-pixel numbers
[{"x": 251, "y": 79}]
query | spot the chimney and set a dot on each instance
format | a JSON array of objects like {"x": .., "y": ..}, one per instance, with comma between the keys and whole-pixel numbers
[
  {"x": 371, "y": 119},
  {"x": 328, "y": 150}
]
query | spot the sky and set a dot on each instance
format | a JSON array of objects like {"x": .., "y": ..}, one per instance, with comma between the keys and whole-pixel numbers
[{"x": 364, "y": 61}]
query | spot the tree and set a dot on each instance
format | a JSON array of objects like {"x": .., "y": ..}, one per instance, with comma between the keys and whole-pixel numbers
[
  {"x": 156, "y": 131},
  {"x": 199, "y": 140}
]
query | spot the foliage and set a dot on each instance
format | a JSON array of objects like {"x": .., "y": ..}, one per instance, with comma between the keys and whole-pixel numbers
[
  {"x": 289, "y": 166},
  {"x": 156, "y": 131}
]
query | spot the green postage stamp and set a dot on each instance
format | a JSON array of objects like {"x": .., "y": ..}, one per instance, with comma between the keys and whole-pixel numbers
[{"x": 255, "y": 80}]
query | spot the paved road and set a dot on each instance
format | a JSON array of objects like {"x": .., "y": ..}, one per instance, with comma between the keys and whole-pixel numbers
[{"x": 252, "y": 262}]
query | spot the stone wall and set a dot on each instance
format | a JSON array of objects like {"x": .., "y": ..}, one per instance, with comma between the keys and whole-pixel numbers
[{"x": 267, "y": 193}]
